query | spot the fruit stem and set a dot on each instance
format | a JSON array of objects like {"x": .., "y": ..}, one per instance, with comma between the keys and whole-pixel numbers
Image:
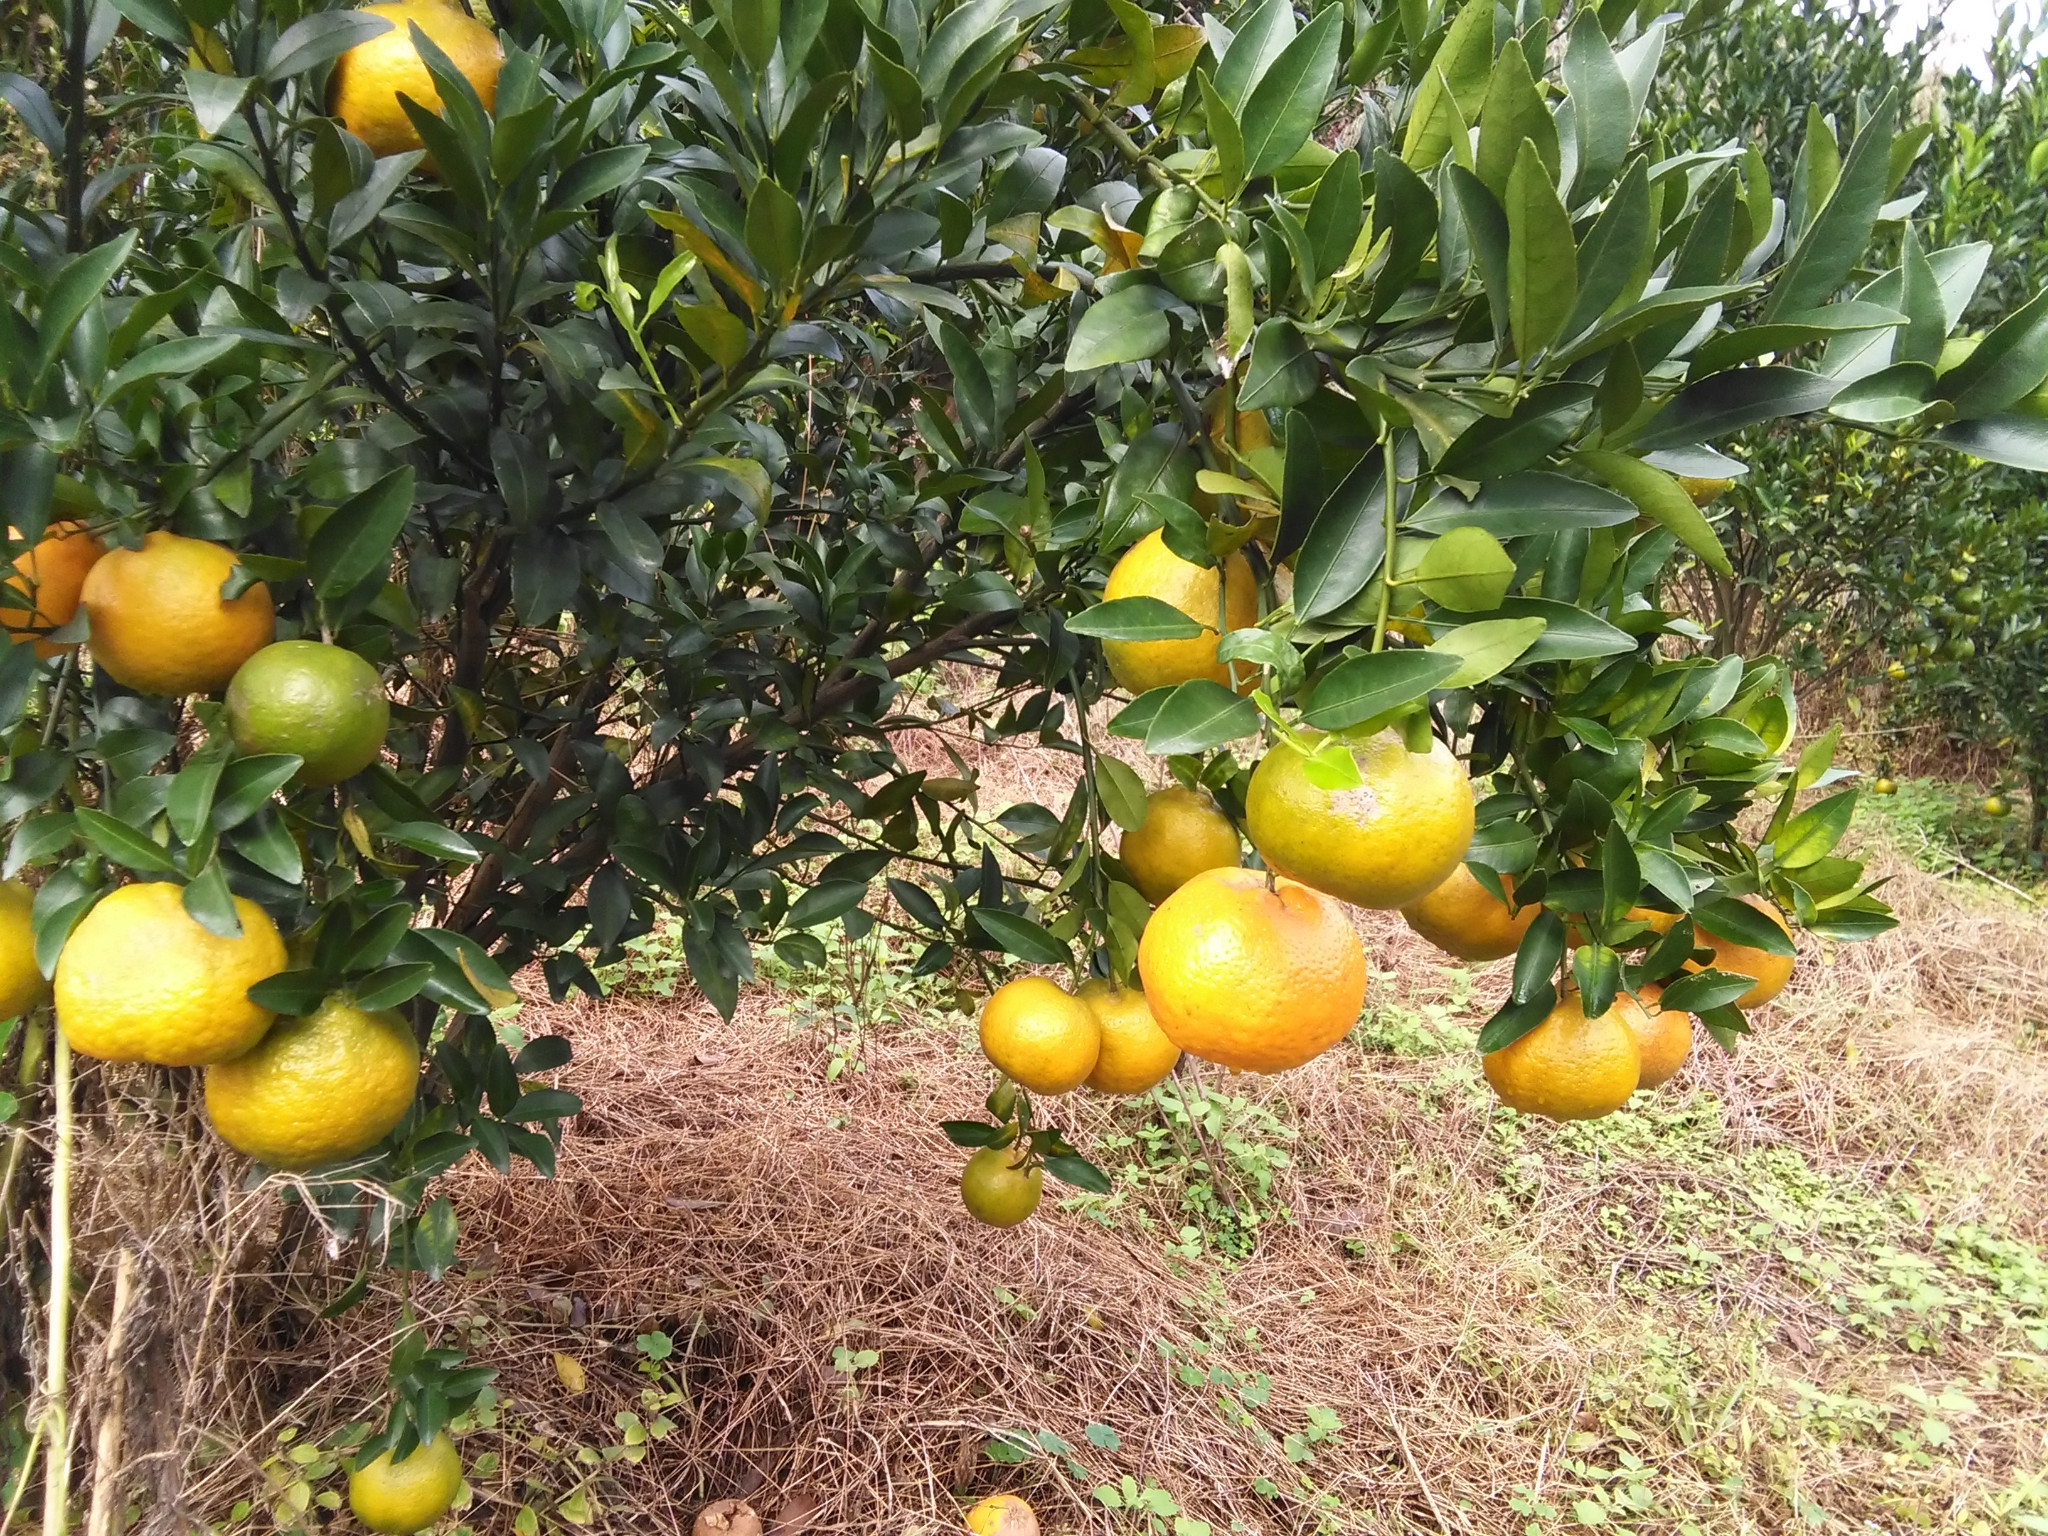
[
  {"x": 56, "y": 1406},
  {"x": 1379, "y": 629}
]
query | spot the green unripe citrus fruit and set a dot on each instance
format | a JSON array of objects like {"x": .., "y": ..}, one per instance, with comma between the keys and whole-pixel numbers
[
  {"x": 1994, "y": 805},
  {"x": 996, "y": 1191},
  {"x": 399, "y": 1497},
  {"x": 321, "y": 702}
]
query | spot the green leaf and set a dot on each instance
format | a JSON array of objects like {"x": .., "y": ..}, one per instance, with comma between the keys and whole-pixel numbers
[
  {"x": 1487, "y": 648},
  {"x": 1281, "y": 371},
  {"x": 314, "y": 39},
  {"x": 1262, "y": 32},
  {"x": 1226, "y": 139},
  {"x": 1516, "y": 1017},
  {"x": 1452, "y": 88},
  {"x": 1570, "y": 633},
  {"x": 1126, "y": 327},
  {"x": 1344, "y": 544},
  {"x": 1494, "y": 446},
  {"x": 969, "y": 1133},
  {"x": 1602, "y": 115},
  {"x": 82, "y": 279},
  {"x": 1543, "y": 270},
  {"x": 391, "y": 985},
  {"x": 2021, "y": 441},
  {"x": 247, "y": 784},
  {"x": 775, "y": 229},
  {"x": 181, "y": 355},
  {"x": 1839, "y": 234},
  {"x": 1197, "y": 716},
  {"x": 190, "y": 799},
  {"x": 1281, "y": 111},
  {"x": 1597, "y": 970},
  {"x": 1659, "y": 496},
  {"x": 1363, "y": 687},
  {"x": 1022, "y": 937},
  {"x": 1336, "y": 215},
  {"x": 1535, "y": 502},
  {"x": 826, "y": 903},
  {"x": 123, "y": 844},
  {"x": 1813, "y": 833},
  {"x": 292, "y": 993},
  {"x": 1891, "y": 394},
  {"x": 210, "y": 903},
  {"x": 1135, "y": 618},
  {"x": 752, "y": 25},
  {"x": 1078, "y": 1171},
  {"x": 1121, "y": 791},
  {"x": 1486, "y": 228},
  {"x": 1920, "y": 297},
  {"x": 1511, "y": 114},
  {"x": 2008, "y": 364},
  {"x": 1614, "y": 262},
  {"x": 430, "y": 837},
  {"x": 1705, "y": 990},
  {"x": 606, "y": 170},
  {"x": 1466, "y": 569},
  {"x": 1726, "y": 403},
  {"x": 215, "y": 99},
  {"x": 358, "y": 539},
  {"x": 1727, "y": 918}
]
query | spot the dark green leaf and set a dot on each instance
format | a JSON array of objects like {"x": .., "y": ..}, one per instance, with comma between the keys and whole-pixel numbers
[
  {"x": 1078, "y": 1171},
  {"x": 123, "y": 844},
  {"x": 1727, "y": 918},
  {"x": 1726, "y": 403},
  {"x": 1363, "y": 687},
  {"x": 1840, "y": 233},
  {"x": 1197, "y": 716},
  {"x": 1281, "y": 371},
  {"x": 1283, "y": 106},
  {"x": 357, "y": 540},
  {"x": 1135, "y": 618},
  {"x": 1704, "y": 991},
  {"x": 1022, "y": 937},
  {"x": 2021, "y": 441}
]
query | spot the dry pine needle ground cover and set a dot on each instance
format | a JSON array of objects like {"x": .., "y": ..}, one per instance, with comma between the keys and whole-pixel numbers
[{"x": 1799, "y": 1290}]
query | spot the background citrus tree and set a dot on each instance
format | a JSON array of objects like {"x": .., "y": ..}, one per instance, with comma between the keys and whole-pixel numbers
[{"x": 658, "y": 433}]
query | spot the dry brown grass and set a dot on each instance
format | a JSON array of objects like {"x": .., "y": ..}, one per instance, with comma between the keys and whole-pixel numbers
[{"x": 1490, "y": 1307}]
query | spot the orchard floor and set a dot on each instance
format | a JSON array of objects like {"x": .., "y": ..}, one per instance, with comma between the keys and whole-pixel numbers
[{"x": 1802, "y": 1289}]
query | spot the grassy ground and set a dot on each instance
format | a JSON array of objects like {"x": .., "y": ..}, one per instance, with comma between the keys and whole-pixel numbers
[{"x": 1802, "y": 1289}]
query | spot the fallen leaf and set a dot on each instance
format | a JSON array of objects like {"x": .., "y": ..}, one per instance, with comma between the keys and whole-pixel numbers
[
  {"x": 571, "y": 1372},
  {"x": 726, "y": 1517}
]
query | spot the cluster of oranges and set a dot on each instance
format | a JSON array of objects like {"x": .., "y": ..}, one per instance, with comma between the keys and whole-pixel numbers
[
  {"x": 1262, "y": 970},
  {"x": 140, "y": 979}
]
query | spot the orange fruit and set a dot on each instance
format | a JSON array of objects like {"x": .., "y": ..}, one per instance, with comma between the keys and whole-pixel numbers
[
  {"x": 1040, "y": 1035},
  {"x": 997, "y": 1192},
  {"x": 1149, "y": 569},
  {"x": 157, "y": 618},
  {"x": 397, "y": 1497},
  {"x": 1569, "y": 1067},
  {"x": 1701, "y": 489},
  {"x": 320, "y": 702},
  {"x": 316, "y": 1089},
  {"x": 1136, "y": 1054},
  {"x": 1251, "y": 977},
  {"x": 1387, "y": 843},
  {"x": 370, "y": 77},
  {"x": 140, "y": 980},
  {"x": 49, "y": 575},
  {"x": 1771, "y": 971},
  {"x": 1663, "y": 1035},
  {"x": 1183, "y": 834},
  {"x": 22, "y": 986},
  {"x": 1461, "y": 917},
  {"x": 1002, "y": 1514}
]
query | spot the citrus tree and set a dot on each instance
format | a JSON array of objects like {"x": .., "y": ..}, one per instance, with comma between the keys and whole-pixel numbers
[{"x": 694, "y": 394}]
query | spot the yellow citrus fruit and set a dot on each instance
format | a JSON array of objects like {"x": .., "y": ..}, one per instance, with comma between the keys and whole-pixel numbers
[
  {"x": 1569, "y": 1067},
  {"x": 998, "y": 1193},
  {"x": 1994, "y": 805},
  {"x": 1002, "y": 1514},
  {"x": 1771, "y": 971},
  {"x": 371, "y": 76},
  {"x": 1184, "y": 833},
  {"x": 1702, "y": 490},
  {"x": 140, "y": 980},
  {"x": 394, "y": 1497},
  {"x": 49, "y": 575},
  {"x": 316, "y": 1089},
  {"x": 1462, "y": 917},
  {"x": 1885, "y": 787},
  {"x": 159, "y": 624},
  {"x": 1135, "y": 1051},
  {"x": 1149, "y": 569},
  {"x": 1387, "y": 843},
  {"x": 1663, "y": 1035},
  {"x": 22, "y": 986},
  {"x": 1044, "y": 1037},
  {"x": 321, "y": 702},
  {"x": 1250, "y": 977}
]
